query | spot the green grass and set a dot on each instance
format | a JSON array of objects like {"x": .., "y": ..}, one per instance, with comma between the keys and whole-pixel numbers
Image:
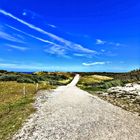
[
  {"x": 98, "y": 83},
  {"x": 90, "y": 88},
  {"x": 15, "y": 107},
  {"x": 93, "y": 82},
  {"x": 93, "y": 79},
  {"x": 65, "y": 82}
]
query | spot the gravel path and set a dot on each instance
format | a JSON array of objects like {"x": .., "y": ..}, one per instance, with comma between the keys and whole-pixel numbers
[{"x": 69, "y": 113}]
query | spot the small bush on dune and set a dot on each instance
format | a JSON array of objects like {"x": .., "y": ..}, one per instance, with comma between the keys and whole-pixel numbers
[
  {"x": 37, "y": 78},
  {"x": 9, "y": 77},
  {"x": 3, "y": 71},
  {"x": 109, "y": 84},
  {"x": 25, "y": 80}
]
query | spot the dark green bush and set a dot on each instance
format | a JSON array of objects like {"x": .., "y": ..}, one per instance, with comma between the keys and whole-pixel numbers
[
  {"x": 9, "y": 77},
  {"x": 3, "y": 71},
  {"x": 37, "y": 78},
  {"x": 25, "y": 80},
  {"x": 110, "y": 84},
  {"x": 53, "y": 82}
]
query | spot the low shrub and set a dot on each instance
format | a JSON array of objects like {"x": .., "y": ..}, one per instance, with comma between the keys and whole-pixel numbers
[
  {"x": 25, "y": 80},
  {"x": 9, "y": 77}
]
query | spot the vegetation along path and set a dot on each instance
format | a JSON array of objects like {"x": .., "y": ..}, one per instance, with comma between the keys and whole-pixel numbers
[{"x": 69, "y": 113}]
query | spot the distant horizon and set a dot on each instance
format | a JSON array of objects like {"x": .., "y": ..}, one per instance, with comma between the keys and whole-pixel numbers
[
  {"x": 69, "y": 71},
  {"x": 87, "y": 35}
]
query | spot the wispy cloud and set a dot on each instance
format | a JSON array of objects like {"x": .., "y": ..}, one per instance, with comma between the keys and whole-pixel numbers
[
  {"x": 63, "y": 51},
  {"x": 35, "y": 37},
  {"x": 79, "y": 54},
  {"x": 95, "y": 63},
  {"x": 71, "y": 45},
  {"x": 53, "y": 48},
  {"x": 102, "y": 42},
  {"x": 32, "y": 26},
  {"x": 24, "y": 13},
  {"x": 99, "y": 41},
  {"x": 51, "y": 25},
  {"x": 30, "y": 14},
  {"x": 82, "y": 55},
  {"x": 102, "y": 50},
  {"x": 34, "y": 15},
  {"x": 57, "y": 50},
  {"x": 29, "y": 25},
  {"x": 115, "y": 44},
  {"x": 9, "y": 37},
  {"x": 17, "y": 47},
  {"x": 82, "y": 49}
]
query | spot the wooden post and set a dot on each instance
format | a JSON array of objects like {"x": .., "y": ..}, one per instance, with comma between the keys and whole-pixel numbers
[
  {"x": 36, "y": 86},
  {"x": 24, "y": 91}
]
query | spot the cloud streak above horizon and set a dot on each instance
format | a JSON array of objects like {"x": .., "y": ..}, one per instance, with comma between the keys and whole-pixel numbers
[
  {"x": 103, "y": 42},
  {"x": 17, "y": 47},
  {"x": 9, "y": 37},
  {"x": 94, "y": 63}
]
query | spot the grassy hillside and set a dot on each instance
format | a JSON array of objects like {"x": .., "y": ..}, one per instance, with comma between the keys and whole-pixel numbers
[
  {"x": 91, "y": 80},
  {"x": 99, "y": 84},
  {"x": 88, "y": 80},
  {"x": 126, "y": 77},
  {"x": 53, "y": 78},
  {"x": 17, "y": 95}
]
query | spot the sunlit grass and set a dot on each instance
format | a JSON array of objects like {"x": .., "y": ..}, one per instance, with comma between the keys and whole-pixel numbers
[
  {"x": 66, "y": 81},
  {"x": 92, "y": 79},
  {"x": 15, "y": 106}
]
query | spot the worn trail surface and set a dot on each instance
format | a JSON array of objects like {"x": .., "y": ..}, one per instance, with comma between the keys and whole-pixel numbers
[{"x": 69, "y": 113}]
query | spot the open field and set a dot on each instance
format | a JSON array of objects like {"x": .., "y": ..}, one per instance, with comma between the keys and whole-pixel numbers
[{"x": 17, "y": 95}]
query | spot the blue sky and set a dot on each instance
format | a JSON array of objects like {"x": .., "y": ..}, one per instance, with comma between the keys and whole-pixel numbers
[{"x": 75, "y": 35}]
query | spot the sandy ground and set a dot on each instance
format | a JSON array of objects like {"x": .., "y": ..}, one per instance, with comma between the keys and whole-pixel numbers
[
  {"x": 69, "y": 113},
  {"x": 133, "y": 88}
]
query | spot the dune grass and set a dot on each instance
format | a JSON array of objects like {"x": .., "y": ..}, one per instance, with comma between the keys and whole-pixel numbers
[
  {"x": 92, "y": 79},
  {"x": 15, "y": 106}
]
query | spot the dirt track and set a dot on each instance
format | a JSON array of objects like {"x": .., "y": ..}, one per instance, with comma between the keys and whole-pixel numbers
[{"x": 69, "y": 113}]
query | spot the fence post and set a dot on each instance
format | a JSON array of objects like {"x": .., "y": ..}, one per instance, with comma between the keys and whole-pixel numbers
[
  {"x": 36, "y": 86},
  {"x": 24, "y": 91}
]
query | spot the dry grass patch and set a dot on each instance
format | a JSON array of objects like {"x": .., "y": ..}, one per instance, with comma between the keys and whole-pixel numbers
[
  {"x": 92, "y": 79},
  {"x": 15, "y": 107}
]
